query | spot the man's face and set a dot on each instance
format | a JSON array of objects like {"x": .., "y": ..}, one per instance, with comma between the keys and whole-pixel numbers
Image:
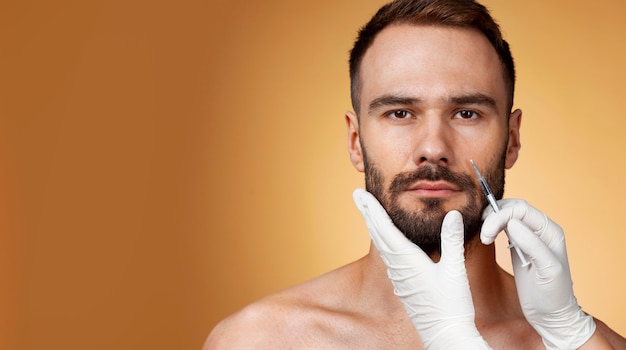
[{"x": 432, "y": 98}]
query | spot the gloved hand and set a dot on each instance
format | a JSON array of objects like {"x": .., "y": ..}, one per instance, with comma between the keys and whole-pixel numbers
[
  {"x": 436, "y": 296},
  {"x": 545, "y": 286}
]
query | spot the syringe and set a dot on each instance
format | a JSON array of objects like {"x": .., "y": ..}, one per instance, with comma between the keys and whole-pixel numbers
[{"x": 494, "y": 206}]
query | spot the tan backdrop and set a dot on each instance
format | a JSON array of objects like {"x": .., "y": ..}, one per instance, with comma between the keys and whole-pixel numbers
[{"x": 165, "y": 163}]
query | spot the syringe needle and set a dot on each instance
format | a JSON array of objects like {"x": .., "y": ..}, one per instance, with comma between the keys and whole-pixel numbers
[{"x": 494, "y": 205}]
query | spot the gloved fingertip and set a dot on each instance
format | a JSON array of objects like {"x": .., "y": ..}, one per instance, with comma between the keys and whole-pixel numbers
[
  {"x": 452, "y": 228},
  {"x": 357, "y": 194},
  {"x": 453, "y": 221},
  {"x": 452, "y": 238},
  {"x": 360, "y": 198},
  {"x": 490, "y": 228},
  {"x": 487, "y": 211},
  {"x": 486, "y": 239}
]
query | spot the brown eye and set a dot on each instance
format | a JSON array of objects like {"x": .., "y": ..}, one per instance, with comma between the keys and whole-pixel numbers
[
  {"x": 400, "y": 114},
  {"x": 466, "y": 114}
]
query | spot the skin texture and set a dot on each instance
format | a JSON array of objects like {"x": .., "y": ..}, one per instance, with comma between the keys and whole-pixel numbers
[{"x": 434, "y": 70}]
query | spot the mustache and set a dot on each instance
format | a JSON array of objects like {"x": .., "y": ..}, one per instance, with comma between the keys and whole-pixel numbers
[{"x": 404, "y": 180}]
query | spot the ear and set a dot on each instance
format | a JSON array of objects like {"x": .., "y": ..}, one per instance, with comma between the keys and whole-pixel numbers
[
  {"x": 514, "y": 145},
  {"x": 354, "y": 142}
]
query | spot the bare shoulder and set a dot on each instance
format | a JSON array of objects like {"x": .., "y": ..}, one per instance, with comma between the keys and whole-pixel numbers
[
  {"x": 318, "y": 313},
  {"x": 617, "y": 341},
  {"x": 259, "y": 325}
]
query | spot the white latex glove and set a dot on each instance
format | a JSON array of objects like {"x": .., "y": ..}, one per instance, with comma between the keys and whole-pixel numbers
[
  {"x": 436, "y": 296},
  {"x": 545, "y": 286}
]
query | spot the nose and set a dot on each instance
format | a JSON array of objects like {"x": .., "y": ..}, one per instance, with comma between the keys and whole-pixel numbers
[{"x": 433, "y": 142}]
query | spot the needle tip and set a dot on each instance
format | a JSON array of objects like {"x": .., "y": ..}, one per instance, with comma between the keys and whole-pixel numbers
[{"x": 474, "y": 166}]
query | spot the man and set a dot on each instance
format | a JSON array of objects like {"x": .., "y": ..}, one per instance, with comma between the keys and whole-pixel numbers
[{"x": 432, "y": 87}]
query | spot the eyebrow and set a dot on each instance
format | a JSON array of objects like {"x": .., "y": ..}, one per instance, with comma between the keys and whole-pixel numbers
[
  {"x": 474, "y": 99},
  {"x": 468, "y": 99},
  {"x": 392, "y": 100}
]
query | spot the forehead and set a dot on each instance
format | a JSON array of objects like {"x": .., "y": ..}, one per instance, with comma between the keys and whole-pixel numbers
[{"x": 431, "y": 63}]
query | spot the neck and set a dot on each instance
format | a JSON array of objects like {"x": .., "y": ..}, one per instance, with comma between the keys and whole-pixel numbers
[{"x": 493, "y": 290}]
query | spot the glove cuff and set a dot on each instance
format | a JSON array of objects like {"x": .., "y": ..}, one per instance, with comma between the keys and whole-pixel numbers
[
  {"x": 580, "y": 330},
  {"x": 474, "y": 343},
  {"x": 458, "y": 336}
]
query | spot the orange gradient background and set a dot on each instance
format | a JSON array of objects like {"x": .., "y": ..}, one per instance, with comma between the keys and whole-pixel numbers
[{"x": 163, "y": 164}]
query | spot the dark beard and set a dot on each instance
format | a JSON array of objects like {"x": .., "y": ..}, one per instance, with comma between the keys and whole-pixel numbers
[{"x": 423, "y": 227}]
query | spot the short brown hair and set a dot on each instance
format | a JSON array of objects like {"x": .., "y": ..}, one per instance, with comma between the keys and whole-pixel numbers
[{"x": 449, "y": 13}]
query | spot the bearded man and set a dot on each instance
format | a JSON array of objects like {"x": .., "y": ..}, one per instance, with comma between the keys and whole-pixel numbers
[{"x": 432, "y": 86}]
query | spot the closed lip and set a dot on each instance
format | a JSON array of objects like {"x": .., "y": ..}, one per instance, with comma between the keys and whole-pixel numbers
[{"x": 434, "y": 188}]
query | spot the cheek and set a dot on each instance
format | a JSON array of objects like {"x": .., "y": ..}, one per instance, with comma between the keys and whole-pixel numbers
[
  {"x": 391, "y": 155},
  {"x": 481, "y": 143},
  {"x": 399, "y": 139}
]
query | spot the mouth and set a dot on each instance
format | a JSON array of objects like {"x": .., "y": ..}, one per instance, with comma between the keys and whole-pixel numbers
[{"x": 434, "y": 189}]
